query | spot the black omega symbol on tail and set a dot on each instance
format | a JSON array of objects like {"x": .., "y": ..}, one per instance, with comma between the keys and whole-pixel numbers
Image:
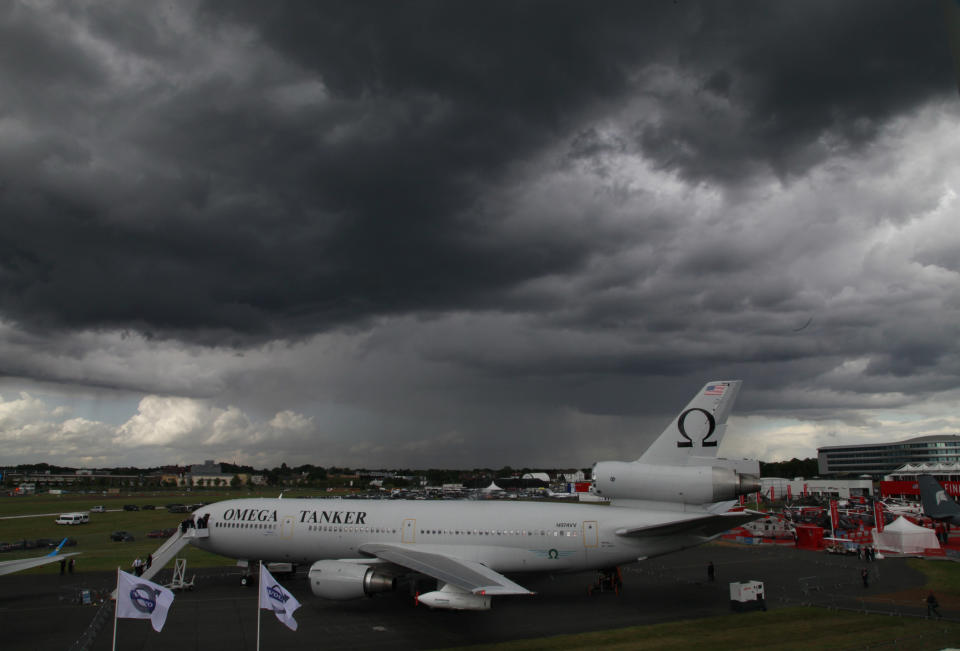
[{"x": 711, "y": 428}]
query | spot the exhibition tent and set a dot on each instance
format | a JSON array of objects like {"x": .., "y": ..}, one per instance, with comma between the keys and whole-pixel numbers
[{"x": 904, "y": 537}]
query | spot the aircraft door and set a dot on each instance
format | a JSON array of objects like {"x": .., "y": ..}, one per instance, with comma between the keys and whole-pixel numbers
[
  {"x": 409, "y": 533},
  {"x": 590, "y": 533},
  {"x": 286, "y": 527}
]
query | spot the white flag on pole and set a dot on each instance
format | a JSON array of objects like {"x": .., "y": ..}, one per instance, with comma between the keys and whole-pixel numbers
[
  {"x": 141, "y": 599},
  {"x": 275, "y": 597}
]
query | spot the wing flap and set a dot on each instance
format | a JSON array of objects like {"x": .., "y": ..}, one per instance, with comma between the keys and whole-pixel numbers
[{"x": 469, "y": 575}]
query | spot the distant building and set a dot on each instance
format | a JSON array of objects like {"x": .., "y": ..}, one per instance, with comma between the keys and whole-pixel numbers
[
  {"x": 903, "y": 481},
  {"x": 208, "y": 473},
  {"x": 940, "y": 471},
  {"x": 795, "y": 488},
  {"x": 878, "y": 459}
]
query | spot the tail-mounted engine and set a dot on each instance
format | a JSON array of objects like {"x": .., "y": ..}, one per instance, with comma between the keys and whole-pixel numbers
[{"x": 685, "y": 484}]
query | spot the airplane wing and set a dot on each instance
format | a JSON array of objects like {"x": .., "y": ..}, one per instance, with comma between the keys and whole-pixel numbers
[
  {"x": 706, "y": 526},
  {"x": 468, "y": 575},
  {"x": 9, "y": 567}
]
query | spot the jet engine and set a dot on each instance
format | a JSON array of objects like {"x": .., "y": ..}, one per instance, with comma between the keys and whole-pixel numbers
[
  {"x": 685, "y": 484},
  {"x": 341, "y": 580}
]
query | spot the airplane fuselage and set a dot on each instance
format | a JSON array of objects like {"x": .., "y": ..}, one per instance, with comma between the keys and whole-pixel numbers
[{"x": 504, "y": 536}]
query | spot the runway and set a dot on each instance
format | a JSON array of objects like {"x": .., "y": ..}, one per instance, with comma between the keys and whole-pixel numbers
[{"x": 36, "y": 611}]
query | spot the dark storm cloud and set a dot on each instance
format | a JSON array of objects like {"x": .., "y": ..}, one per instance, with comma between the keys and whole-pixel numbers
[
  {"x": 786, "y": 85},
  {"x": 339, "y": 169}
]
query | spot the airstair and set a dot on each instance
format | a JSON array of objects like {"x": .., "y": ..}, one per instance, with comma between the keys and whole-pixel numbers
[
  {"x": 169, "y": 549},
  {"x": 172, "y": 547},
  {"x": 180, "y": 581}
]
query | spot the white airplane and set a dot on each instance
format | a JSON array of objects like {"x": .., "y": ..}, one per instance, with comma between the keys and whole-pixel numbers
[
  {"x": 665, "y": 501},
  {"x": 9, "y": 567}
]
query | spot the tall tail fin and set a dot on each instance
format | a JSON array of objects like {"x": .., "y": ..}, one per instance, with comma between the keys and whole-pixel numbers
[
  {"x": 937, "y": 504},
  {"x": 696, "y": 433}
]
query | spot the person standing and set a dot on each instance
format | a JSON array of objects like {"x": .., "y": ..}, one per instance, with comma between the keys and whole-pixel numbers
[
  {"x": 70, "y": 566},
  {"x": 932, "y": 605},
  {"x": 63, "y": 566},
  {"x": 711, "y": 572},
  {"x": 865, "y": 575}
]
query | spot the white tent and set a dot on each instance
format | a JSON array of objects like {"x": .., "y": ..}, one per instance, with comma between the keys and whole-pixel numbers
[
  {"x": 492, "y": 488},
  {"x": 904, "y": 537},
  {"x": 542, "y": 476}
]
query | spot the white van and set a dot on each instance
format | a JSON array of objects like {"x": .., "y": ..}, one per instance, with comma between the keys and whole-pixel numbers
[{"x": 73, "y": 518}]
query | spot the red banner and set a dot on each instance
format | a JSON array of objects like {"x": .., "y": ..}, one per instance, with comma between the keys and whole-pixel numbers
[
  {"x": 758, "y": 499},
  {"x": 804, "y": 490},
  {"x": 789, "y": 493},
  {"x": 878, "y": 515},
  {"x": 888, "y": 488},
  {"x": 772, "y": 498},
  {"x": 742, "y": 500},
  {"x": 834, "y": 515}
]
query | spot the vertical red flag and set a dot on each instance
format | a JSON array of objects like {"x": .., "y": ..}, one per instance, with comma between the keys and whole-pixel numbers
[
  {"x": 878, "y": 515},
  {"x": 772, "y": 498},
  {"x": 834, "y": 515},
  {"x": 742, "y": 500},
  {"x": 789, "y": 493},
  {"x": 804, "y": 490}
]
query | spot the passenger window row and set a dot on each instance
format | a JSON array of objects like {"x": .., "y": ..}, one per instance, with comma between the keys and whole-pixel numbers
[
  {"x": 498, "y": 532},
  {"x": 336, "y": 529}
]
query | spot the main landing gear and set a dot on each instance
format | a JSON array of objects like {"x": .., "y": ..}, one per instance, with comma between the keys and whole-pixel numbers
[
  {"x": 247, "y": 577},
  {"x": 608, "y": 580}
]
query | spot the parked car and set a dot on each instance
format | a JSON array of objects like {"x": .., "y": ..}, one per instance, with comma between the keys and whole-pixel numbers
[
  {"x": 97, "y": 509},
  {"x": 161, "y": 533},
  {"x": 121, "y": 536},
  {"x": 176, "y": 508},
  {"x": 131, "y": 507}
]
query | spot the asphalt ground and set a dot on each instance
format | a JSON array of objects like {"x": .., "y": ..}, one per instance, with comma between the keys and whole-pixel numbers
[{"x": 39, "y": 612}]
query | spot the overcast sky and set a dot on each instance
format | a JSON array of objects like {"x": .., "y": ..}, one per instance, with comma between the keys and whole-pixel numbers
[{"x": 469, "y": 234}]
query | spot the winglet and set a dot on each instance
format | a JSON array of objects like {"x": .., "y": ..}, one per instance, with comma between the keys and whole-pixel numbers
[{"x": 59, "y": 547}]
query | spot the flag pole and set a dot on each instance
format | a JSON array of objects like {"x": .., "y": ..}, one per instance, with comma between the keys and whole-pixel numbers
[
  {"x": 259, "y": 593},
  {"x": 116, "y": 607}
]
